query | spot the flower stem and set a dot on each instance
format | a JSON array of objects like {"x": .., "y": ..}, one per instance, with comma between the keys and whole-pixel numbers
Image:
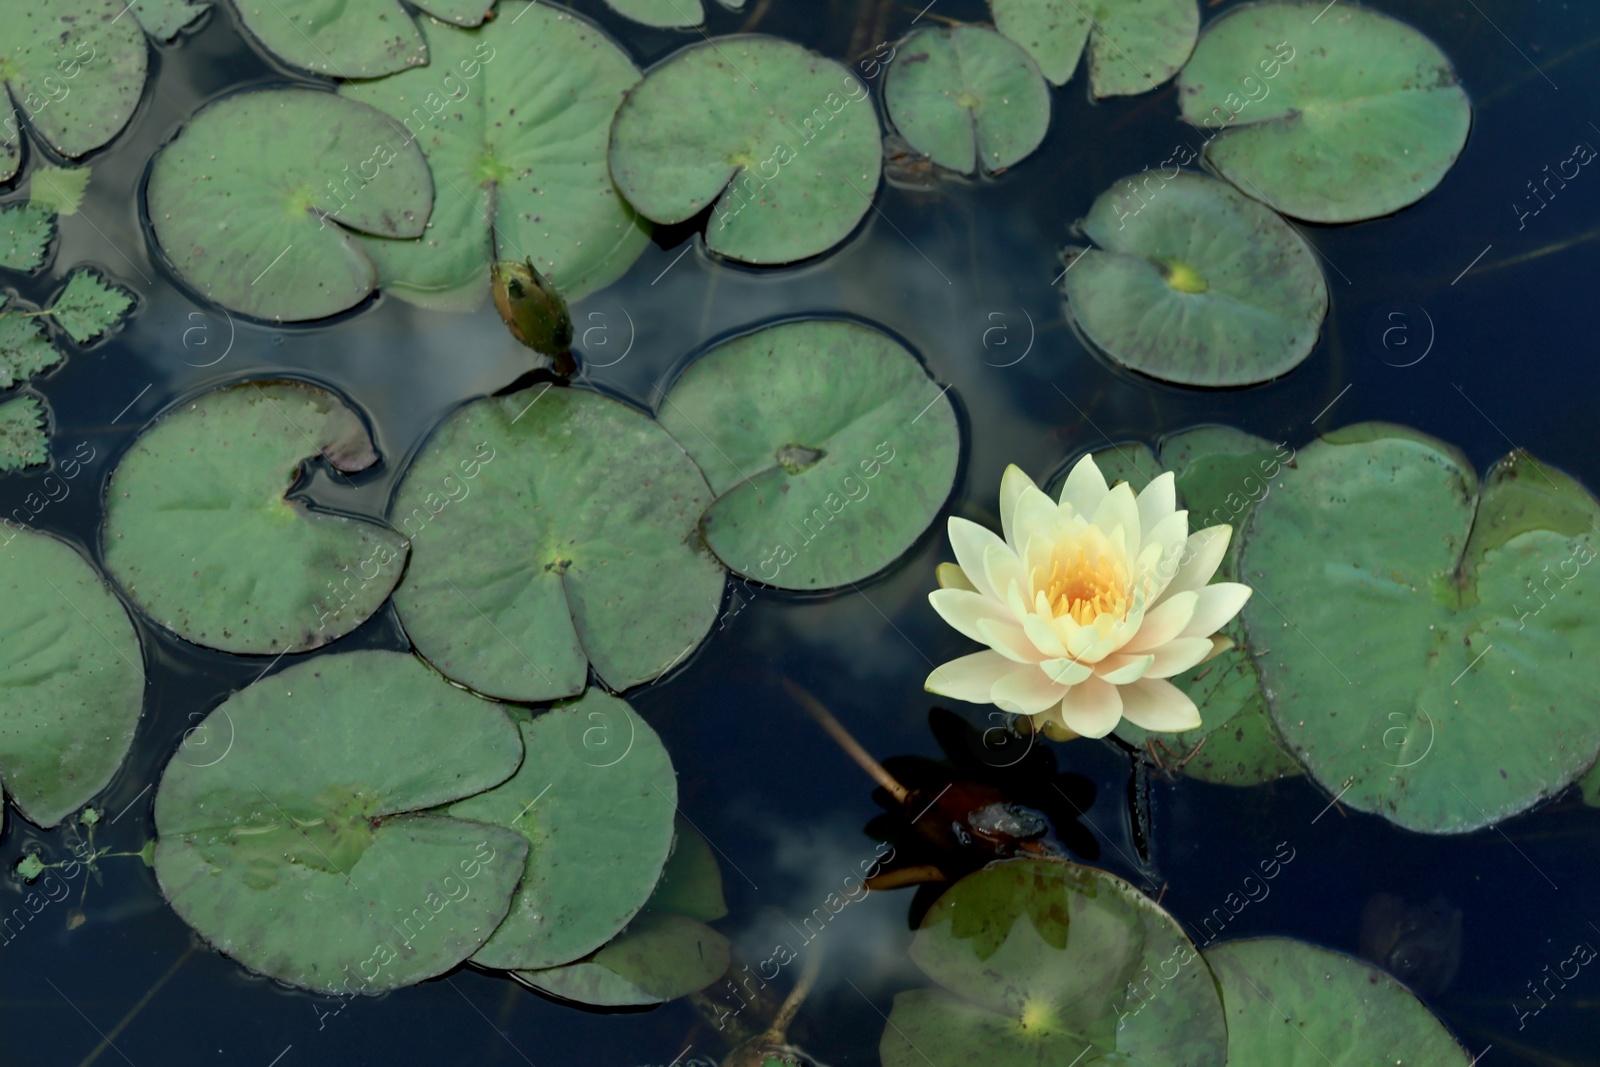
[{"x": 851, "y": 746}]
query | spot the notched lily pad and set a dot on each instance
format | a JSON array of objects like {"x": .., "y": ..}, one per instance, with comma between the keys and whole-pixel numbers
[
  {"x": 552, "y": 529},
  {"x": 783, "y": 143},
  {"x": 1428, "y": 646},
  {"x": 305, "y": 849},
  {"x": 251, "y": 200},
  {"x": 201, "y": 533},
  {"x": 1197, "y": 285},
  {"x": 1133, "y": 45},
  {"x": 353, "y": 38},
  {"x": 967, "y": 97},
  {"x": 72, "y": 672},
  {"x": 815, "y": 431},
  {"x": 1326, "y": 119},
  {"x": 23, "y": 438},
  {"x": 514, "y": 119}
]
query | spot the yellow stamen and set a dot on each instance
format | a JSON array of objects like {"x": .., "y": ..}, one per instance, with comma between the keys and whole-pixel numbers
[{"x": 1084, "y": 588}]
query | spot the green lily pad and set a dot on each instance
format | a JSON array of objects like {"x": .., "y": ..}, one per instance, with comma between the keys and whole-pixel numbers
[
  {"x": 514, "y": 119},
  {"x": 58, "y": 189},
  {"x": 1590, "y": 786},
  {"x": 815, "y": 431},
  {"x": 664, "y": 14},
  {"x": 658, "y": 958},
  {"x": 552, "y": 529},
  {"x": 1042, "y": 962},
  {"x": 1290, "y": 1004},
  {"x": 306, "y": 852},
  {"x": 24, "y": 441},
  {"x": 76, "y": 72},
  {"x": 201, "y": 535},
  {"x": 90, "y": 306},
  {"x": 1197, "y": 285},
  {"x": 1357, "y": 116},
  {"x": 784, "y": 143},
  {"x": 27, "y": 232},
  {"x": 967, "y": 96},
  {"x": 1427, "y": 645},
  {"x": 353, "y": 38},
  {"x": 245, "y": 200},
  {"x": 25, "y": 348},
  {"x": 165, "y": 19},
  {"x": 1220, "y": 474},
  {"x": 72, "y": 672},
  {"x": 600, "y": 827},
  {"x": 1134, "y": 45}
]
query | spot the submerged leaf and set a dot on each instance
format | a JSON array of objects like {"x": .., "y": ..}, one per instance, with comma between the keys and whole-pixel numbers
[
  {"x": 26, "y": 234},
  {"x": 23, "y": 442},
  {"x": 88, "y": 306}
]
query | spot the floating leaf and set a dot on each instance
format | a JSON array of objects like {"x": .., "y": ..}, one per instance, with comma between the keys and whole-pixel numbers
[
  {"x": 1043, "y": 961},
  {"x": 25, "y": 348},
  {"x": 783, "y": 142},
  {"x": 165, "y": 19},
  {"x": 550, "y": 529},
  {"x": 89, "y": 306},
  {"x": 1200, "y": 285},
  {"x": 243, "y": 201},
  {"x": 353, "y": 38},
  {"x": 200, "y": 532},
  {"x": 1134, "y": 45},
  {"x": 1357, "y": 116},
  {"x": 1590, "y": 786},
  {"x": 305, "y": 849},
  {"x": 58, "y": 189},
  {"x": 658, "y": 958},
  {"x": 26, "y": 234},
  {"x": 827, "y": 444},
  {"x": 23, "y": 441},
  {"x": 72, "y": 672},
  {"x": 1290, "y": 1004},
  {"x": 595, "y": 796},
  {"x": 515, "y": 129},
  {"x": 76, "y": 71},
  {"x": 1426, "y": 644},
  {"x": 665, "y": 14},
  {"x": 691, "y": 882},
  {"x": 967, "y": 96}
]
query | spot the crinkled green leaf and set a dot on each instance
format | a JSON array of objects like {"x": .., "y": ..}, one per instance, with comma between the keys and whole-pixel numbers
[
  {"x": 88, "y": 306},
  {"x": 26, "y": 234},
  {"x": 23, "y": 440},
  {"x": 1134, "y": 45},
  {"x": 72, "y": 673},
  {"x": 25, "y": 347},
  {"x": 165, "y": 19},
  {"x": 58, "y": 189}
]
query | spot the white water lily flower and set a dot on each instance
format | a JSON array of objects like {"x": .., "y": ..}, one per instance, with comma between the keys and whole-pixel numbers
[{"x": 1088, "y": 606}]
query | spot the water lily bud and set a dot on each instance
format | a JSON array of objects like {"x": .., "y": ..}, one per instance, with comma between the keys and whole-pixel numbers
[{"x": 531, "y": 307}]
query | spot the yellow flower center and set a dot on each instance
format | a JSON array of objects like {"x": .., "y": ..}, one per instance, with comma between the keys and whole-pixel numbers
[{"x": 1086, "y": 588}]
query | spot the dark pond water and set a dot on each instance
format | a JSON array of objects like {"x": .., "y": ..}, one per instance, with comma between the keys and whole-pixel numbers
[{"x": 964, "y": 272}]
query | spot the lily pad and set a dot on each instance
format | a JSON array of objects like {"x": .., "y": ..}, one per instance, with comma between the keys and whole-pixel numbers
[
  {"x": 784, "y": 143},
  {"x": 248, "y": 201},
  {"x": 1590, "y": 786},
  {"x": 1198, "y": 285},
  {"x": 665, "y": 14},
  {"x": 658, "y": 958},
  {"x": 202, "y": 535},
  {"x": 1290, "y": 1004},
  {"x": 1044, "y": 962},
  {"x": 306, "y": 852},
  {"x": 165, "y": 19},
  {"x": 815, "y": 431},
  {"x": 90, "y": 306},
  {"x": 550, "y": 529},
  {"x": 72, "y": 672},
  {"x": 1357, "y": 115},
  {"x": 967, "y": 96},
  {"x": 514, "y": 119},
  {"x": 76, "y": 71},
  {"x": 1428, "y": 646},
  {"x": 691, "y": 882},
  {"x": 23, "y": 440},
  {"x": 353, "y": 38},
  {"x": 600, "y": 830},
  {"x": 1134, "y": 45},
  {"x": 25, "y": 348},
  {"x": 27, "y": 232}
]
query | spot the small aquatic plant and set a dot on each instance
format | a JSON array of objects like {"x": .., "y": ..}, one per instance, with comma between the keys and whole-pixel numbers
[{"x": 1088, "y": 605}]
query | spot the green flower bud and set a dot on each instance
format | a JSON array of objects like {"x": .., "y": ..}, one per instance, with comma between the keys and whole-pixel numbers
[{"x": 531, "y": 307}]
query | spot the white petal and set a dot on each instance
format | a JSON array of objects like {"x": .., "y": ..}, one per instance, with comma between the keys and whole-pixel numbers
[
  {"x": 1001, "y": 567},
  {"x": 1066, "y": 671},
  {"x": 950, "y": 576},
  {"x": 1179, "y": 655},
  {"x": 1033, "y": 516},
  {"x": 962, "y": 610},
  {"x": 1043, "y": 636},
  {"x": 1202, "y": 555},
  {"x": 1008, "y": 639},
  {"x": 1120, "y": 669},
  {"x": 1163, "y": 622},
  {"x": 1171, "y": 533},
  {"x": 1012, "y": 484},
  {"x": 1091, "y": 708},
  {"x": 1219, "y": 603},
  {"x": 1159, "y": 705},
  {"x": 969, "y": 540},
  {"x": 1085, "y": 487},
  {"x": 1157, "y": 501},
  {"x": 969, "y": 678},
  {"x": 1026, "y": 691},
  {"x": 1119, "y": 509}
]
